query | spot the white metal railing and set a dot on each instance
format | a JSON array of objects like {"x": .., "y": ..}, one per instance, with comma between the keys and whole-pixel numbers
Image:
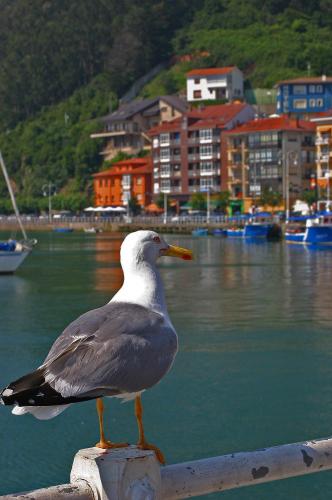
[{"x": 132, "y": 474}]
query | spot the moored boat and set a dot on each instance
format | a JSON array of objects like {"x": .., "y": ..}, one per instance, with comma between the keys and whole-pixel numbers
[
  {"x": 317, "y": 231},
  {"x": 12, "y": 252},
  {"x": 262, "y": 225},
  {"x": 63, "y": 229},
  {"x": 199, "y": 232}
]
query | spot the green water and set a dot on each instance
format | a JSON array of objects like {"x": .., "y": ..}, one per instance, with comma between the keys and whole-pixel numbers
[{"x": 254, "y": 367}]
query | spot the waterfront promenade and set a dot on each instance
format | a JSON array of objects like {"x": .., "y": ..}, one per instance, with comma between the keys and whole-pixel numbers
[{"x": 182, "y": 225}]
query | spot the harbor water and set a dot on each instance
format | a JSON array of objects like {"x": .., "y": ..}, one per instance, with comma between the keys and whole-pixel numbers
[{"x": 254, "y": 367}]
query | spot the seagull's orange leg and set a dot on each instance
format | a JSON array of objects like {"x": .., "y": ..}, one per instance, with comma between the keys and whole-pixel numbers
[
  {"x": 103, "y": 443},
  {"x": 142, "y": 444}
]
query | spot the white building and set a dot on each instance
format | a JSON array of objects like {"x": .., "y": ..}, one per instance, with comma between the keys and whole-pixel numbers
[{"x": 215, "y": 83}]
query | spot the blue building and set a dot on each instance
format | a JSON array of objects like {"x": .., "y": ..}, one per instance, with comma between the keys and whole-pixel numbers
[{"x": 304, "y": 95}]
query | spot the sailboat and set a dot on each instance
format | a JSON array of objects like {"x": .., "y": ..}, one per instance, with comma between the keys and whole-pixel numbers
[{"x": 12, "y": 252}]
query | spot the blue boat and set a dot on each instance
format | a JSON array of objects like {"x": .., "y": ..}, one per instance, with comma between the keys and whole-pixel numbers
[
  {"x": 219, "y": 232},
  {"x": 235, "y": 232},
  {"x": 63, "y": 229},
  {"x": 317, "y": 231},
  {"x": 200, "y": 232},
  {"x": 262, "y": 225}
]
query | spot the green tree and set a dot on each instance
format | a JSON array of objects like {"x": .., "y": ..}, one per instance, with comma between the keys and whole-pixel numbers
[
  {"x": 134, "y": 206},
  {"x": 270, "y": 198},
  {"x": 198, "y": 201},
  {"x": 222, "y": 200}
]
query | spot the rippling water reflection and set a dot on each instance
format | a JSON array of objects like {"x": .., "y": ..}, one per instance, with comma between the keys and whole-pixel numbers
[{"x": 254, "y": 367}]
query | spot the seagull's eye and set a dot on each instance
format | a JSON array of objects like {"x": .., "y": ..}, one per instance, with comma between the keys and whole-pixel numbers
[{"x": 156, "y": 239}]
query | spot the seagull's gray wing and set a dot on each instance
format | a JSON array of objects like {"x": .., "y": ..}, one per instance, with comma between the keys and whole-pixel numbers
[{"x": 118, "y": 348}]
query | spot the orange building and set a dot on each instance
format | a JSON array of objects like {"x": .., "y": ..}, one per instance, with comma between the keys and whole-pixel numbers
[{"x": 124, "y": 180}]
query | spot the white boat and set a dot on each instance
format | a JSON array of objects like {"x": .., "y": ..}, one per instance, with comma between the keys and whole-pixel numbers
[
  {"x": 93, "y": 230},
  {"x": 12, "y": 252}
]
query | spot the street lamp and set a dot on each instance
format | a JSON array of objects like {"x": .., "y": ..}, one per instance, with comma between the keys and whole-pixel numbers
[
  {"x": 165, "y": 207},
  {"x": 327, "y": 175},
  {"x": 49, "y": 190}
]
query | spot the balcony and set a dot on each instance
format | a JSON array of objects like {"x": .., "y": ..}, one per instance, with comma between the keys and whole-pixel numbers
[
  {"x": 193, "y": 173},
  {"x": 165, "y": 175},
  {"x": 324, "y": 158},
  {"x": 176, "y": 158},
  {"x": 322, "y": 140},
  {"x": 193, "y": 157}
]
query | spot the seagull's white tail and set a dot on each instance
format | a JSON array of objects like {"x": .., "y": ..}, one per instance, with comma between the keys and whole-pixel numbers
[{"x": 40, "y": 412}]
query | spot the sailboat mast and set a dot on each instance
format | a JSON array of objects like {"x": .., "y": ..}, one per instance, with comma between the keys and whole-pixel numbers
[{"x": 12, "y": 197}]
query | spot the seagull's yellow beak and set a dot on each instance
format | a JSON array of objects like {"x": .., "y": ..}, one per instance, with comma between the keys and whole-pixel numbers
[{"x": 182, "y": 253}]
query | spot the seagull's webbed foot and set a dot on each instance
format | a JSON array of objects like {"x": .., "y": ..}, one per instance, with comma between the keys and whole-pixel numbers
[
  {"x": 146, "y": 446},
  {"x": 142, "y": 444},
  {"x": 103, "y": 443}
]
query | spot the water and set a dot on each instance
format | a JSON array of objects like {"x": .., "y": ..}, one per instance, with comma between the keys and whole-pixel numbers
[{"x": 254, "y": 367}]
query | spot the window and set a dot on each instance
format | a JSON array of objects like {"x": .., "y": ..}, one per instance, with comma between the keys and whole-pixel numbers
[
  {"x": 197, "y": 81},
  {"x": 164, "y": 139},
  {"x": 126, "y": 181},
  {"x": 164, "y": 154},
  {"x": 165, "y": 170},
  {"x": 197, "y": 94},
  {"x": 205, "y": 134},
  {"x": 299, "y": 89},
  {"x": 312, "y": 89},
  {"x": 312, "y": 103},
  {"x": 300, "y": 103},
  {"x": 205, "y": 151},
  {"x": 206, "y": 183},
  {"x": 139, "y": 181},
  {"x": 139, "y": 197},
  {"x": 155, "y": 142},
  {"x": 165, "y": 185},
  {"x": 206, "y": 167},
  {"x": 319, "y": 103},
  {"x": 319, "y": 89}
]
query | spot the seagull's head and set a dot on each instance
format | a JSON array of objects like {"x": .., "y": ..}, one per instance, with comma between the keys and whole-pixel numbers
[{"x": 149, "y": 246}]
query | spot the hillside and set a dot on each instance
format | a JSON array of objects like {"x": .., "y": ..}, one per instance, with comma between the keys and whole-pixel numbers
[{"x": 64, "y": 64}]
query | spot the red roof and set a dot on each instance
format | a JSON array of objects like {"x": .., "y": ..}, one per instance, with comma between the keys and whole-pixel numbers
[
  {"x": 217, "y": 115},
  {"x": 308, "y": 79},
  {"x": 211, "y": 71},
  {"x": 277, "y": 123},
  {"x": 131, "y": 166}
]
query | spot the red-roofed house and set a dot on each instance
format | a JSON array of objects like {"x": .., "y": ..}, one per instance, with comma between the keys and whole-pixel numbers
[
  {"x": 187, "y": 153},
  {"x": 215, "y": 83},
  {"x": 275, "y": 153},
  {"x": 124, "y": 180}
]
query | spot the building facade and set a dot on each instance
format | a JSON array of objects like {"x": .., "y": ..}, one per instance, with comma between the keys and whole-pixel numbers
[
  {"x": 124, "y": 180},
  {"x": 125, "y": 129},
  {"x": 271, "y": 153},
  {"x": 187, "y": 153},
  {"x": 324, "y": 151},
  {"x": 303, "y": 96},
  {"x": 215, "y": 83}
]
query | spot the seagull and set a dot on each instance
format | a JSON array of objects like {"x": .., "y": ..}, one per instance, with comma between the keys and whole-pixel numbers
[{"x": 118, "y": 350}]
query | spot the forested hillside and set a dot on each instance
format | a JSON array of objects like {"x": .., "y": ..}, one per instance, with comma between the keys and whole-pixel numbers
[{"x": 64, "y": 63}]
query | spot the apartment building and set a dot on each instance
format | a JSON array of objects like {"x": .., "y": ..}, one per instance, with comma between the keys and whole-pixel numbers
[
  {"x": 187, "y": 153},
  {"x": 303, "y": 96},
  {"x": 215, "y": 83},
  {"x": 124, "y": 180},
  {"x": 274, "y": 153},
  {"x": 125, "y": 129},
  {"x": 324, "y": 149}
]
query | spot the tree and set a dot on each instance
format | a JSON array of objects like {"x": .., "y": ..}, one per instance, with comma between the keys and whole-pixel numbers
[
  {"x": 222, "y": 200},
  {"x": 160, "y": 201},
  {"x": 309, "y": 197},
  {"x": 198, "y": 201},
  {"x": 270, "y": 197},
  {"x": 134, "y": 206}
]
